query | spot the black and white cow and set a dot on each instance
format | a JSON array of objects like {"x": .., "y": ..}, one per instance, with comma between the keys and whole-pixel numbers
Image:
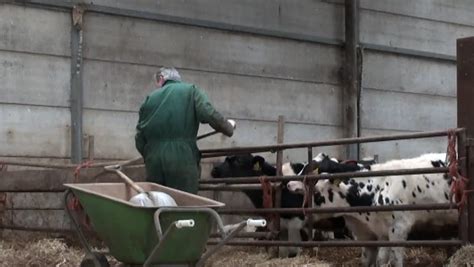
[
  {"x": 247, "y": 165},
  {"x": 389, "y": 190}
]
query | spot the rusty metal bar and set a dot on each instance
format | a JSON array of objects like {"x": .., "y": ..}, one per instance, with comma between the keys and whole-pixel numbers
[
  {"x": 395, "y": 173},
  {"x": 309, "y": 217},
  {"x": 465, "y": 110},
  {"x": 463, "y": 225},
  {"x": 279, "y": 162},
  {"x": 36, "y": 229},
  {"x": 411, "y": 207},
  {"x": 266, "y": 235},
  {"x": 343, "y": 141},
  {"x": 231, "y": 188},
  {"x": 426, "y": 243}
]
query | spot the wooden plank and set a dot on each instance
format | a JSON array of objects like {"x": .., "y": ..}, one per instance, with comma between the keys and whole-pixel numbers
[
  {"x": 38, "y": 219},
  {"x": 53, "y": 180},
  {"x": 32, "y": 200}
]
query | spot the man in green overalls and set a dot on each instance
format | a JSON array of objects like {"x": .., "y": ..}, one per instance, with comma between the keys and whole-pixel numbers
[{"x": 167, "y": 128}]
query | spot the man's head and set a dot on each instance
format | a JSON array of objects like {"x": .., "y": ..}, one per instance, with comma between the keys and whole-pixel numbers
[{"x": 166, "y": 74}]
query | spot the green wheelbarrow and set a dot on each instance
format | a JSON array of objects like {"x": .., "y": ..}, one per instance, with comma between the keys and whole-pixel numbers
[{"x": 149, "y": 236}]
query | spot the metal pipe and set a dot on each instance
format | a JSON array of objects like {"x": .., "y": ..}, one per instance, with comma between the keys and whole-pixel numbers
[
  {"x": 374, "y": 174},
  {"x": 76, "y": 85},
  {"x": 465, "y": 109},
  {"x": 275, "y": 226},
  {"x": 361, "y": 209},
  {"x": 231, "y": 188},
  {"x": 343, "y": 141},
  {"x": 36, "y": 229},
  {"x": 266, "y": 235},
  {"x": 426, "y": 243},
  {"x": 310, "y": 196},
  {"x": 350, "y": 99}
]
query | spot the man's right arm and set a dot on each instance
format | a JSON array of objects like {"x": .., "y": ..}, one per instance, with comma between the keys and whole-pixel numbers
[{"x": 206, "y": 113}]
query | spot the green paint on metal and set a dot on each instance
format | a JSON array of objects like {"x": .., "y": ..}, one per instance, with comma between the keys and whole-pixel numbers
[{"x": 130, "y": 233}]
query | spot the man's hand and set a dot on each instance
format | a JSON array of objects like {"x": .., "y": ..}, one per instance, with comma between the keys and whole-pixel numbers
[{"x": 233, "y": 123}]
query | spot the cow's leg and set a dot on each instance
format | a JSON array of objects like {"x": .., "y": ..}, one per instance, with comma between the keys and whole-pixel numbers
[
  {"x": 398, "y": 232},
  {"x": 294, "y": 226},
  {"x": 361, "y": 232},
  {"x": 283, "y": 252}
]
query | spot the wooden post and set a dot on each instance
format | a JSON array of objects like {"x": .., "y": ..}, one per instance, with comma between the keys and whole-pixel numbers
[{"x": 465, "y": 111}]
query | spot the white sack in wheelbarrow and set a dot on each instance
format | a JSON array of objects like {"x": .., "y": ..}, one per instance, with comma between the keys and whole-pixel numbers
[{"x": 158, "y": 199}]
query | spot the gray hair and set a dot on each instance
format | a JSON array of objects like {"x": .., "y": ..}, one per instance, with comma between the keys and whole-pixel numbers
[{"x": 168, "y": 73}]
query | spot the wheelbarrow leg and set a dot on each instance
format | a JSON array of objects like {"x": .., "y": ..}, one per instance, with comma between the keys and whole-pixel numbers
[
  {"x": 228, "y": 237},
  {"x": 224, "y": 240},
  {"x": 162, "y": 240},
  {"x": 91, "y": 259}
]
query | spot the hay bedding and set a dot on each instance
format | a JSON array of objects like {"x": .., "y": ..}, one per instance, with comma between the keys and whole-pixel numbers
[
  {"x": 63, "y": 252},
  {"x": 463, "y": 257},
  {"x": 41, "y": 252}
]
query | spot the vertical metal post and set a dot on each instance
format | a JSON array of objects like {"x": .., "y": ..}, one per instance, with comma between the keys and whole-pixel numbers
[
  {"x": 279, "y": 163},
  {"x": 90, "y": 145},
  {"x": 350, "y": 95},
  {"x": 76, "y": 85},
  {"x": 465, "y": 111},
  {"x": 309, "y": 217}
]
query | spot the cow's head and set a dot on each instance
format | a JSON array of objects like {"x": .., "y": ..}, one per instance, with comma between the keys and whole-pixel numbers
[
  {"x": 336, "y": 192},
  {"x": 322, "y": 163},
  {"x": 244, "y": 165}
]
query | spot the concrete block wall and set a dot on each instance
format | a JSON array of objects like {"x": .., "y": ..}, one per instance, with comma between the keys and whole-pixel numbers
[{"x": 250, "y": 77}]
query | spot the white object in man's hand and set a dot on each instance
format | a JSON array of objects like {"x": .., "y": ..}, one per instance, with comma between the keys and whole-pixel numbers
[{"x": 233, "y": 123}]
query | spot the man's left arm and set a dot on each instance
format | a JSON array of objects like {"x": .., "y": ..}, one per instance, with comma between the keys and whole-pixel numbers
[
  {"x": 206, "y": 113},
  {"x": 140, "y": 140}
]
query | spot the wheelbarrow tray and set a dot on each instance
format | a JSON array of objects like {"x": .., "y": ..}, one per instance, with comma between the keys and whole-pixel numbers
[{"x": 129, "y": 231}]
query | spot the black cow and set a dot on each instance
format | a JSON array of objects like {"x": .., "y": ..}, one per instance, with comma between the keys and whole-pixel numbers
[{"x": 247, "y": 165}]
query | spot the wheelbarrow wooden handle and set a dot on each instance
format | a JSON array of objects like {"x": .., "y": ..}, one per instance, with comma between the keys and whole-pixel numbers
[{"x": 117, "y": 169}]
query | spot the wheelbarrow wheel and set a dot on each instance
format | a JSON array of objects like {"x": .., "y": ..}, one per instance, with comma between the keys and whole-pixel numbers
[{"x": 94, "y": 260}]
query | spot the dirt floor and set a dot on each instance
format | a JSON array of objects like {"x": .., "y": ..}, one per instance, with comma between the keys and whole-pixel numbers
[{"x": 40, "y": 250}]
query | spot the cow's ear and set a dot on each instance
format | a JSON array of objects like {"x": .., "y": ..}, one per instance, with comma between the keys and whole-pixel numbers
[
  {"x": 257, "y": 167},
  {"x": 230, "y": 159},
  {"x": 257, "y": 163},
  {"x": 311, "y": 167}
]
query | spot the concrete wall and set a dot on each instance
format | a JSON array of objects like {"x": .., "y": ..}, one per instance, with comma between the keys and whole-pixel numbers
[
  {"x": 248, "y": 77},
  {"x": 252, "y": 78},
  {"x": 35, "y": 73},
  {"x": 402, "y": 94}
]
